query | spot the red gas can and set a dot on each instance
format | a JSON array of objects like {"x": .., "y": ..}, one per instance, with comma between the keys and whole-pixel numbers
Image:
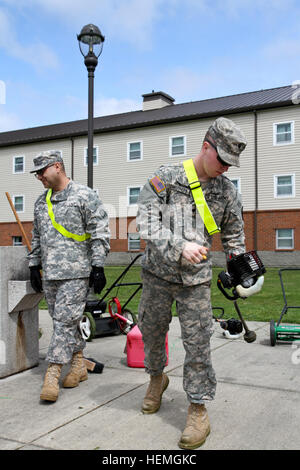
[{"x": 135, "y": 348}]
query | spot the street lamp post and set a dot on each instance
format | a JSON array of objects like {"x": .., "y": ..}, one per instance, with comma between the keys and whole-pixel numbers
[{"x": 90, "y": 44}]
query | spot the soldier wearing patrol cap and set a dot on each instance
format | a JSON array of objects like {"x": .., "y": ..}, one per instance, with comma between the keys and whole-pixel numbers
[
  {"x": 70, "y": 242},
  {"x": 180, "y": 208}
]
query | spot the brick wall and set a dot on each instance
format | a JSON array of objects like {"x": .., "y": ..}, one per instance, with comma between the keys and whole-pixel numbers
[
  {"x": 8, "y": 230},
  {"x": 267, "y": 223}
]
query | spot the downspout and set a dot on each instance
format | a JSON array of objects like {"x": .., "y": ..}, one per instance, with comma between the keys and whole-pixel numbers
[
  {"x": 255, "y": 182},
  {"x": 72, "y": 158}
]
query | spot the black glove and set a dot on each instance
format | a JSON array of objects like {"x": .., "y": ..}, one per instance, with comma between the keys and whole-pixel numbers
[
  {"x": 36, "y": 279},
  {"x": 97, "y": 279}
]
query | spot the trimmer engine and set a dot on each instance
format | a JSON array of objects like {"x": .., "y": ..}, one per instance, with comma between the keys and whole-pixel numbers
[{"x": 243, "y": 269}]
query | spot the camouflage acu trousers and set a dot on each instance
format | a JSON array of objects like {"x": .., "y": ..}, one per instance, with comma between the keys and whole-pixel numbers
[
  {"x": 195, "y": 316},
  {"x": 66, "y": 301}
]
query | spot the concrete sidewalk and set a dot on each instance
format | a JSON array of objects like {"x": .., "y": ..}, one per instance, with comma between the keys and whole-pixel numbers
[{"x": 256, "y": 405}]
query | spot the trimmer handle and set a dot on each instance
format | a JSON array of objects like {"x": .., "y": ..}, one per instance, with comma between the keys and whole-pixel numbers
[{"x": 229, "y": 297}]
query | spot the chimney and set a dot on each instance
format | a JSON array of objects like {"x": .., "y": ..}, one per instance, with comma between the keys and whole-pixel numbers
[{"x": 156, "y": 99}]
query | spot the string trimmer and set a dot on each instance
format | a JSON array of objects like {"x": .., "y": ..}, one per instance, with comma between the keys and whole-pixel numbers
[{"x": 245, "y": 277}]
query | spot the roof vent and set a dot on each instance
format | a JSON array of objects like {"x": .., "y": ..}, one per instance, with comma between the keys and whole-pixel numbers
[{"x": 156, "y": 99}]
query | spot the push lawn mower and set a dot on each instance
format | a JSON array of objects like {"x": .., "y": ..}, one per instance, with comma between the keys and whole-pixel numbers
[
  {"x": 97, "y": 321},
  {"x": 284, "y": 332},
  {"x": 245, "y": 277}
]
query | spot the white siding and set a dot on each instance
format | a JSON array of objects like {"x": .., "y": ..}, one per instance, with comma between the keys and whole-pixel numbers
[
  {"x": 114, "y": 174},
  {"x": 25, "y": 183},
  {"x": 246, "y": 171},
  {"x": 277, "y": 160}
]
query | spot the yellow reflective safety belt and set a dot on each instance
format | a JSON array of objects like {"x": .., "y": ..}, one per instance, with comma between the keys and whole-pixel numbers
[
  {"x": 60, "y": 228},
  {"x": 199, "y": 198}
]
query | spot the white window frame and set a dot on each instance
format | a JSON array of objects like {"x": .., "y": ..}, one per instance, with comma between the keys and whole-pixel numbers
[
  {"x": 128, "y": 238},
  {"x": 128, "y": 194},
  {"x": 292, "y": 238},
  {"x": 276, "y": 196},
  {"x": 85, "y": 157},
  {"x": 14, "y": 202},
  {"x": 239, "y": 187},
  {"x": 171, "y": 146},
  {"x": 14, "y": 165},
  {"x": 278, "y": 144},
  {"x": 141, "y": 151},
  {"x": 13, "y": 240}
]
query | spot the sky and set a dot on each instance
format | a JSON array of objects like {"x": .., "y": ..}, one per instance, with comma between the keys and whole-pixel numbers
[{"x": 190, "y": 49}]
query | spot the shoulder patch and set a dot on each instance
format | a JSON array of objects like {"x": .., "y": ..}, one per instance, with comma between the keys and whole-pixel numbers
[{"x": 157, "y": 184}]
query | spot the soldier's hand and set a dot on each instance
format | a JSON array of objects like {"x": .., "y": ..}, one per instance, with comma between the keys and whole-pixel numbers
[
  {"x": 36, "y": 279},
  {"x": 194, "y": 253},
  {"x": 97, "y": 279}
]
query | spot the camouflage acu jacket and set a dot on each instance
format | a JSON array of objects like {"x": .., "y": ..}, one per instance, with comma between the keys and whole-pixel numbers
[
  {"x": 79, "y": 210},
  {"x": 167, "y": 218}
]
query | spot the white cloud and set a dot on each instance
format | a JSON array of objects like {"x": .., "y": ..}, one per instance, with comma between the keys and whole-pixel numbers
[
  {"x": 38, "y": 54},
  {"x": 130, "y": 20},
  {"x": 103, "y": 106},
  {"x": 184, "y": 83},
  {"x": 107, "y": 106},
  {"x": 134, "y": 21},
  {"x": 8, "y": 121}
]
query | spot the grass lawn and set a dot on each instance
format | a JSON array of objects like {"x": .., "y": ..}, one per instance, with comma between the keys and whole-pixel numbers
[{"x": 264, "y": 306}]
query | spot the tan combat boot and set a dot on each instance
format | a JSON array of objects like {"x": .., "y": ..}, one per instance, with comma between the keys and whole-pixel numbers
[
  {"x": 51, "y": 388},
  {"x": 78, "y": 372},
  {"x": 197, "y": 427},
  {"x": 152, "y": 400}
]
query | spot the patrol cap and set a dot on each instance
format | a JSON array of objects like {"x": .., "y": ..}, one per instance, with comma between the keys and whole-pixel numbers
[
  {"x": 45, "y": 159},
  {"x": 229, "y": 139}
]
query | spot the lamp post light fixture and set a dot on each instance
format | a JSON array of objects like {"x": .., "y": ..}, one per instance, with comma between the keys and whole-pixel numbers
[{"x": 90, "y": 44}]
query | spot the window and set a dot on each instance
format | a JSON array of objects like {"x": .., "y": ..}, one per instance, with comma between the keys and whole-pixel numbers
[
  {"x": 95, "y": 156},
  {"x": 19, "y": 164},
  {"x": 284, "y": 186},
  {"x": 134, "y": 151},
  {"x": 237, "y": 184},
  {"x": 17, "y": 241},
  {"x": 285, "y": 239},
  {"x": 19, "y": 203},
  {"x": 133, "y": 195},
  {"x": 177, "y": 146},
  {"x": 283, "y": 133},
  {"x": 134, "y": 241}
]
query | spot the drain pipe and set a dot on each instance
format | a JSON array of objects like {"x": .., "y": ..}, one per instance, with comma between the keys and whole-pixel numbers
[
  {"x": 255, "y": 181},
  {"x": 72, "y": 158}
]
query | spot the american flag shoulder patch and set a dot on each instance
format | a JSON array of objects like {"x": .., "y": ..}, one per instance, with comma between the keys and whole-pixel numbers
[{"x": 157, "y": 184}]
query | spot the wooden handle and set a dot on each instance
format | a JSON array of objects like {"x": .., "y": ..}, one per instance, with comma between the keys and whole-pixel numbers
[{"x": 19, "y": 222}]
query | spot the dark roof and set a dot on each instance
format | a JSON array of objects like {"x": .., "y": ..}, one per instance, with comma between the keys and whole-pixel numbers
[{"x": 262, "y": 99}]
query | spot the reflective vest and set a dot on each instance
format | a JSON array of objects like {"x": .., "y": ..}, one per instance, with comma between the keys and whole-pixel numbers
[
  {"x": 199, "y": 198},
  {"x": 60, "y": 228}
]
